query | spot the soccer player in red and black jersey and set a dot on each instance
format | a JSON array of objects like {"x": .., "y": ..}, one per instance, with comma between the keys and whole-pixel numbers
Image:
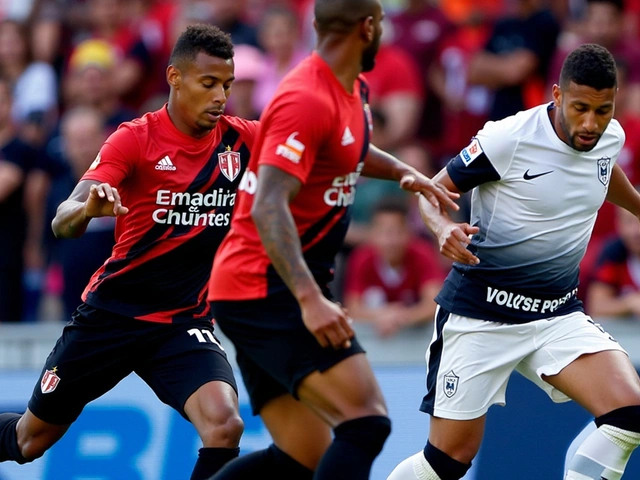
[
  {"x": 170, "y": 179},
  {"x": 305, "y": 372}
]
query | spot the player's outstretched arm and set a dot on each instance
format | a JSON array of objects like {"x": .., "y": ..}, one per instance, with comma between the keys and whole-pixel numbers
[
  {"x": 453, "y": 237},
  {"x": 271, "y": 213},
  {"x": 380, "y": 164},
  {"x": 622, "y": 192},
  {"x": 88, "y": 200}
]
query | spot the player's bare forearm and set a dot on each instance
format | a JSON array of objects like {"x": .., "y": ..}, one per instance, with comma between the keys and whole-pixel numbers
[
  {"x": 434, "y": 217},
  {"x": 380, "y": 164},
  {"x": 88, "y": 200},
  {"x": 622, "y": 192},
  {"x": 71, "y": 220},
  {"x": 277, "y": 229}
]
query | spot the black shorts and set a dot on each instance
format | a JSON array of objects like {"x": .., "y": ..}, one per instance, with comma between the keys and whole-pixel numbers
[
  {"x": 97, "y": 349},
  {"x": 275, "y": 351}
]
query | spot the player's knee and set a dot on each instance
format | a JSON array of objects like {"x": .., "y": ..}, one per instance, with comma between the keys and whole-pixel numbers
[
  {"x": 369, "y": 433},
  {"x": 443, "y": 464},
  {"x": 223, "y": 430}
]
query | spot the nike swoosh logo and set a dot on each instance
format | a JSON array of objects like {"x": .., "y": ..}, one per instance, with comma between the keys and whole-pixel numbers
[{"x": 526, "y": 175}]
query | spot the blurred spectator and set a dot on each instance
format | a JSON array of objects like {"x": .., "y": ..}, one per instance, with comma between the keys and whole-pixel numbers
[
  {"x": 72, "y": 262},
  {"x": 279, "y": 38},
  {"x": 397, "y": 93},
  {"x": 228, "y": 15},
  {"x": 392, "y": 282},
  {"x": 604, "y": 25},
  {"x": 153, "y": 20},
  {"x": 615, "y": 289},
  {"x": 89, "y": 82},
  {"x": 419, "y": 30},
  {"x": 16, "y": 160},
  {"x": 465, "y": 107},
  {"x": 34, "y": 84},
  {"x": 473, "y": 12},
  {"x": 516, "y": 57},
  {"x": 108, "y": 23},
  {"x": 249, "y": 66}
]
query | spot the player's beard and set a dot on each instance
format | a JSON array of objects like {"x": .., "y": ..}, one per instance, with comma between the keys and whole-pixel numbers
[
  {"x": 572, "y": 136},
  {"x": 369, "y": 56}
]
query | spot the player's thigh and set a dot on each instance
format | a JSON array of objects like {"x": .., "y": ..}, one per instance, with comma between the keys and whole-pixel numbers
[
  {"x": 343, "y": 392},
  {"x": 296, "y": 429},
  {"x": 577, "y": 359},
  {"x": 275, "y": 351},
  {"x": 469, "y": 363},
  {"x": 186, "y": 360},
  {"x": 95, "y": 351}
]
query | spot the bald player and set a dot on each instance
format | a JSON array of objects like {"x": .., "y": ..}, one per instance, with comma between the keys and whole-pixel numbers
[{"x": 305, "y": 372}]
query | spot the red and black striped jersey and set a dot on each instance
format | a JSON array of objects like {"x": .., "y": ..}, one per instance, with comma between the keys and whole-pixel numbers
[
  {"x": 317, "y": 131},
  {"x": 180, "y": 192}
]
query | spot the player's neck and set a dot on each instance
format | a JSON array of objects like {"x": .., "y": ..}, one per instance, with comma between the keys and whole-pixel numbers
[{"x": 344, "y": 63}]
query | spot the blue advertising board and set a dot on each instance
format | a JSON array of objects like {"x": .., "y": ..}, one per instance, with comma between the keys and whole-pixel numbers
[{"x": 129, "y": 435}]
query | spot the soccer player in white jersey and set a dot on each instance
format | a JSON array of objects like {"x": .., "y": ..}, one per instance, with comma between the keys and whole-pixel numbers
[{"x": 509, "y": 303}]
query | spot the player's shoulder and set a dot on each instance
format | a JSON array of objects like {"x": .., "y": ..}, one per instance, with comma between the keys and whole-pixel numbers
[
  {"x": 615, "y": 130},
  {"x": 520, "y": 125},
  {"x": 307, "y": 84},
  {"x": 241, "y": 125},
  {"x": 138, "y": 126}
]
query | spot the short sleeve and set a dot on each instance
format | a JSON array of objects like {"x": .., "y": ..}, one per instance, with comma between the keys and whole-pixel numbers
[
  {"x": 116, "y": 159},
  {"x": 498, "y": 144},
  {"x": 293, "y": 128}
]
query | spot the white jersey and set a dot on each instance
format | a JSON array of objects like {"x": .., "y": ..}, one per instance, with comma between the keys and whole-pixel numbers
[{"x": 535, "y": 201}]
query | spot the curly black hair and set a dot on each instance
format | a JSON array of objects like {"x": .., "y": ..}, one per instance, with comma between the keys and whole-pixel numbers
[
  {"x": 590, "y": 65},
  {"x": 201, "y": 38}
]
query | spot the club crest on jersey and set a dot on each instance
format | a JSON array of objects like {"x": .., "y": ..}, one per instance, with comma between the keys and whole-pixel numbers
[
  {"x": 450, "y": 384},
  {"x": 229, "y": 164},
  {"x": 470, "y": 153},
  {"x": 604, "y": 167},
  {"x": 49, "y": 380}
]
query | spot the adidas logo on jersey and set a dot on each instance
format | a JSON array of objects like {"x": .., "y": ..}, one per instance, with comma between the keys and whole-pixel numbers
[
  {"x": 347, "y": 137},
  {"x": 165, "y": 164}
]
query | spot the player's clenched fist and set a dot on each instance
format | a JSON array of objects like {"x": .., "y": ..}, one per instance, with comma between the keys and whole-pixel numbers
[
  {"x": 104, "y": 201},
  {"x": 328, "y": 322}
]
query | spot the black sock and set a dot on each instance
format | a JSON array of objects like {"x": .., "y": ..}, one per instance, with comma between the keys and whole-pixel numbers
[
  {"x": 355, "y": 446},
  {"x": 9, "y": 449},
  {"x": 268, "y": 463},
  {"x": 446, "y": 467},
  {"x": 210, "y": 460}
]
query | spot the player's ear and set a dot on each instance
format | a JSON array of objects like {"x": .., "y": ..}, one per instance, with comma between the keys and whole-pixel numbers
[
  {"x": 367, "y": 29},
  {"x": 173, "y": 76},
  {"x": 557, "y": 95}
]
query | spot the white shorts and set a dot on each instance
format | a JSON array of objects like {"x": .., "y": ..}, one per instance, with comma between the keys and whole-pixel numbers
[{"x": 469, "y": 361}]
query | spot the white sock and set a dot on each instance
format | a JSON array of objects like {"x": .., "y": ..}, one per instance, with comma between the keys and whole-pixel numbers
[
  {"x": 604, "y": 454},
  {"x": 415, "y": 467}
]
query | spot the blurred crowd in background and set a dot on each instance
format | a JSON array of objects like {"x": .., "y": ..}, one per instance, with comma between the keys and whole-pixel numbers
[{"x": 72, "y": 70}]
